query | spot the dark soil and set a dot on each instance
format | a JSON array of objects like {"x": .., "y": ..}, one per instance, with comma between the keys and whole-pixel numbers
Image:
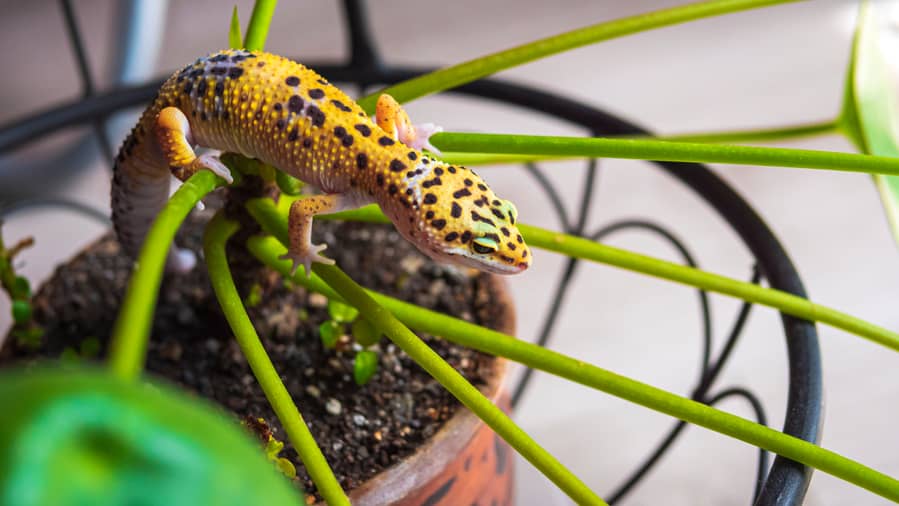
[{"x": 361, "y": 430}]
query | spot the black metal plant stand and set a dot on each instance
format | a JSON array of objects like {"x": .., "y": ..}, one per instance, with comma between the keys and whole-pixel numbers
[{"x": 785, "y": 483}]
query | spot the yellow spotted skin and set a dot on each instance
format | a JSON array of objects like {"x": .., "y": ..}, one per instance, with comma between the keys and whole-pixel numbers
[{"x": 267, "y": 107}]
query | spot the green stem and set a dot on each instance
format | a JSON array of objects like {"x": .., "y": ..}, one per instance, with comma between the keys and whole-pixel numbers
[
  {"x": 268, "y": 249},
  {"x": 585, "y": 249},
  {"x": 467, "y": 394},
  {"x": 759, "y": 134},
  {"x": 128, "y": 345},
  {"x": 217, "y": 234},
  {"x": 785, "y": 302},
  {"x": 257, "y": 28},
  {"x": 652, "y": 149},
  {"x": 472, "y": 70}
]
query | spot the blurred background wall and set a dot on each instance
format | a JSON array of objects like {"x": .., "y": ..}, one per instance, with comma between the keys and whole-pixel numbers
[{"x": 777, "y": 66}]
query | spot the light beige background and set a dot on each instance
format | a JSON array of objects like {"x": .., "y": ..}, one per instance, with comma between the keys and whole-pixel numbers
[{"x": 778, "y": 66}]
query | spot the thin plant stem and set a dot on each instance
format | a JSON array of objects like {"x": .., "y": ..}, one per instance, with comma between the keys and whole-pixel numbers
[
  {"x": 456, "y": 384},
  {"x": 128, "y": 345},
  {"x": 663, "y": 150},
  {"x": 218, "y": 231},
  {"x": 578, "y": 247},
  {"x": 758, "y": 134},
  {"x": 268, "y": 249},
  {"x": 257, "y": 28},
  {"x": 472, "y": 70}
]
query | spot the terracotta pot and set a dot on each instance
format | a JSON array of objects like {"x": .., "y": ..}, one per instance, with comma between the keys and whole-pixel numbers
[{"x": 465, "y": 463}]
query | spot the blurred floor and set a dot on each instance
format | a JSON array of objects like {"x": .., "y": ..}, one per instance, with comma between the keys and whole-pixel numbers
[{"x": 778, "y": 66}]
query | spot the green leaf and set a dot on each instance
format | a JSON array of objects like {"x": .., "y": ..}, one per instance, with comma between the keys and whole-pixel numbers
[
  {"x": 21, "y": 311},
  {"x": 365, "y": 333},
  {"x": 329, "y": 332},
  {"x": 260, "y": 19},
  {"x": 340, "y": 312},
  {"x": 869, "y": 114},
  {"x": 235, "y": 41},
  {"x": 21, "y": 288},
  {"x": 365, "y": 366}
]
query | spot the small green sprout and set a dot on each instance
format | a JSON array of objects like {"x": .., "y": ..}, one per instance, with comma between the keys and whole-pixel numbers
[
  {"x": 254, "y": 297},
  {"x": 27, "y": 333},
  {"x": 365, "y": 365},
  {"x": 342, "y": 313},
  {"x": 330, "y": 331}
]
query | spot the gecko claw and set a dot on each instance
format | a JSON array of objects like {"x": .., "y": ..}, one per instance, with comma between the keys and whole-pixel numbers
[
  {"x": 211, "y": 161},
  {"x": 306, "y": 258}
]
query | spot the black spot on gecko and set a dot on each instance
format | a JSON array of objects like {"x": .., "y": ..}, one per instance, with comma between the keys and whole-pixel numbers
[
  {"x": 456, "y": 210},
  {"x": 235, "y": 72},
  {"x": 347, "y": 141},
  {"x": 497, "y": 203},
  {"x": 392, "y": 189},
  {"x": 432, "y": 182},
  {"x": 430, "y": 198},
  {"x": 188, "y": 87},
  {"x": 339, "y": 132},
  {"x": 505, "y": 231},
  {"x": 437, "y": 171},
  {"x": 219, "y": 71},
  {"x": 452, "y": 170},
  {"x": 316, "y": 114},
  {"x": 397, "y": 166},
  {"x": 363, "y": 129},
  {"x": 307, "y": 142},
  {"x": 386, "y": 141},
  {"x": 519, "y": 239},
  {"x": 292, "y": 81},
  {"x": 201, "y": 88},
  {"x": 219, "y": 58},
  {"x": 340, "y": 105},
  {"x": 292, "y": 136},
  {"x": 482, "y": 187},
  {"x": 511, "y": 245},
  {"x": 295, "y": 104},
  {"x": 316, "y": 93},
  {"x": 461, "y": 193},
  {"x": 380, "y": 179},
  {"x": 438, "y": 223},
  {"x": 361, "y": 161},
  {"x": 412, "y": 156},
  {"x": 496, "y": 212},
  {"x": 279, "y": 124},
  {"x": 468, "y": 182},
  {"x": 260, "y": 64},
  {"x": 450, "y": 237},
  {"x": 409, "y": 192},
  {"x": 220, "y": 88},
  {"x": 466, "y": 236}
]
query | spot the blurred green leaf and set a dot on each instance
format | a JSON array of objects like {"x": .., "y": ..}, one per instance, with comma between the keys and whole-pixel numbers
[
  {"x": 329, "y": 331},
  {"x": 90, "y": 347},
  {"x": 254, "y": 297},
  {"x": 365, "y": 366},
  {"x": 21, "y": 288},
  {"x": 341, "y": 312},
  {"x": 869, "y": 114},
  {"x": 365, "y": 333},
  {"x": 235, "y": 41},
  {"x": 21, "y": 311},
  {"x": 81, "y": 436}
]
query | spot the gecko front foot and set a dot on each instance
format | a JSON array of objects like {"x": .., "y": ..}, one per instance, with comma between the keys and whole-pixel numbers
[{"x": 305, "y": 258}]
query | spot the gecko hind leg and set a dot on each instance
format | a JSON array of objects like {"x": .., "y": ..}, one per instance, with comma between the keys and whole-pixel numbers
[
  {"x": 301, "y": 251},
  {"x": 172, "y": 134},
  {"x": 392, "y": 118}
]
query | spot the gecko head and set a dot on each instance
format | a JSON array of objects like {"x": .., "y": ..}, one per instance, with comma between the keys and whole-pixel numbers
[{"x": 463, "y": 222}]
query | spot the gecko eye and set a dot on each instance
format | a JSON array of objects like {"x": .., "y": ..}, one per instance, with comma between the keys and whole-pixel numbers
[{"x": 484, "y": 246}]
